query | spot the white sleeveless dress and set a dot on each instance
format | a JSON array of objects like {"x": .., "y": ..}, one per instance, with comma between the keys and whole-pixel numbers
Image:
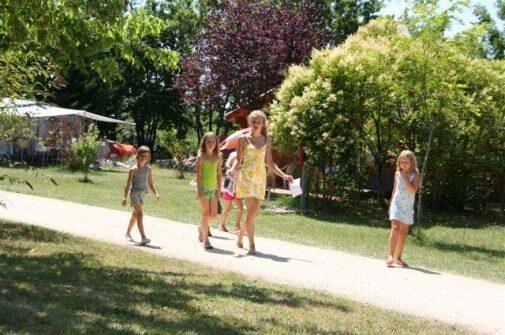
[{"x": 402, "y": 204}]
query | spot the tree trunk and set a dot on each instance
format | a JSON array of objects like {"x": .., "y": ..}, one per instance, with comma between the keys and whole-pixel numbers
[
  {"x": 198, "y": 123},
  {"x": 423, "y": 171}
]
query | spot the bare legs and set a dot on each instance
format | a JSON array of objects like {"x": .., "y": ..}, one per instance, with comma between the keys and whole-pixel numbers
[
  {"x": 137, "y": 217},
  {"x": 397, "y": 239},
  {"x": 253, "y": 206},
  {"x": 226, "y": 212},
  {"x": 208, "y": 209}
]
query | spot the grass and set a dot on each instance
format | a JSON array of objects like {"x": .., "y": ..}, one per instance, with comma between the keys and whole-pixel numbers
[
  {"x": 469, "y": 246},
  {"x": 53, "y": 283}
]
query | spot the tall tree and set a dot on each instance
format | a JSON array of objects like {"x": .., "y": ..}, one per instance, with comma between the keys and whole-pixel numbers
[
  {"x": 494, "y": 39},
  {"x": 145, "y": 93},
  {"x": 242, "y": 51}
]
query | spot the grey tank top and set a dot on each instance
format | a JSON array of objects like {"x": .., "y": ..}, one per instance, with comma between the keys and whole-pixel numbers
[{"x": 139, "y": 180}]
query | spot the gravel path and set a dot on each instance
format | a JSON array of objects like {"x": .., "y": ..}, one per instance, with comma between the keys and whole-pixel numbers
[{"x": 475, "y": 304}]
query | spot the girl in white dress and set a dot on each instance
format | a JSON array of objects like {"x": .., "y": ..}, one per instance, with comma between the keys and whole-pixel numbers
[{"x": 401, "y": 208}]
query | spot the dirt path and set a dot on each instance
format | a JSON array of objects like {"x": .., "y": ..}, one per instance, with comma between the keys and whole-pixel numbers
[{"x": 475, "y": 304}]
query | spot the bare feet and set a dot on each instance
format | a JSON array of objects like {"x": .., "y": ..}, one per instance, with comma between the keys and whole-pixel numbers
[
  {"x": 240, "y": 244},
  {"x": 390, "y": 262},
  {"x": 222, "y": 228}
]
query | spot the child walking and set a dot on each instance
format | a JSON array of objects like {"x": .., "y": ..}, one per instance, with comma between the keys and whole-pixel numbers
[
  {"x": 139, "y": 178},
  {"x": 229, "y": 195},
  {"x": 208, "y": 177},
  {"x": 401, "y": 209}
]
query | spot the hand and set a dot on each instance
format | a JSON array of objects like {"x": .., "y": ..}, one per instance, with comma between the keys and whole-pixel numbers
[
  {"x": 289, "y": 178},
  {"x": 157, "y": 196},
  {"x": 123, "y": 203}
]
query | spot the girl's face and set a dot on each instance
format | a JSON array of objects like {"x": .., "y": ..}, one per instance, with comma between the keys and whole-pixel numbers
[
  {"x": 142, "y": 158},
  {"x": 257, "y": 123},
  {"x": 210, "y": 143},
  {"x": 405, "y": 164}
]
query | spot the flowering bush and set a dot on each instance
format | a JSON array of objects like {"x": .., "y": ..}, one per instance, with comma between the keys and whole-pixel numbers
[{"x": 387, "y": 88}]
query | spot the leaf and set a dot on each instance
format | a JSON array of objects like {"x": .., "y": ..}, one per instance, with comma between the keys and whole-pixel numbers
[{"x": 54, "y": 182}]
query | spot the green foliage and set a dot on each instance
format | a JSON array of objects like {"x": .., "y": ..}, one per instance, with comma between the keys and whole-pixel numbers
[
  {"x": 176, "y": 147},
  {"x": 83, "y": 151},
  {"x": 62, "y": 35},
  {"x": 385, "y": 89}
]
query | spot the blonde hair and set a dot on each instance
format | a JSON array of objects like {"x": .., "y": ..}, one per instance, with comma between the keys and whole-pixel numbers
[
  {"x": 231, "y": 158},
  {"x": 144, "y": 149},
  {"x": 258, "y": 114},
  {"x": 409, "y": 155},
  {"x": 203, "y": 146}
]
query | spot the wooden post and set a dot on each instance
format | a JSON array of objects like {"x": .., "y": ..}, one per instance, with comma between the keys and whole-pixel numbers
[{"x": 303, "y": 184}]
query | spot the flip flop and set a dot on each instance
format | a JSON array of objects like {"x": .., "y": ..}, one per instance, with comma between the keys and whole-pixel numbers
[
  {"x": 222, "y": 228},
  {"x": 402, "y": 264}
]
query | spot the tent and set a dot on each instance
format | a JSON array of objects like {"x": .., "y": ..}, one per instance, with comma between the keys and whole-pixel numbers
[
  {"x": 54, "y": 127},
  {"x": 43, "y": 110}
]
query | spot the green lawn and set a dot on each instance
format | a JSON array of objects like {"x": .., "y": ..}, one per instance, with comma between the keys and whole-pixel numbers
[
  {"x": 53, "y": 283},
  {"x": 458, "y": 244}
]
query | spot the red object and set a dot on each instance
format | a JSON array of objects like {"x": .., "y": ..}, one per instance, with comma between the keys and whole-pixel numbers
[
  {"x": 122, "y": 149},
  {"x": 301, "y": 155},
  {"x": 231, "y": 142}
]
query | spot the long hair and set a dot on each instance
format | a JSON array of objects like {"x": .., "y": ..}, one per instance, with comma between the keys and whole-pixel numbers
[
  {"x": 203, "y": 146},
  {"x": 409, "y": 155},
  {"x": 144, "y": 149},
  {"x": 258, "y": 114}
]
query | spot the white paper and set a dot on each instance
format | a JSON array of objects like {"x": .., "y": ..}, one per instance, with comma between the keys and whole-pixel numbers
[{"x": 295, "y": 188}]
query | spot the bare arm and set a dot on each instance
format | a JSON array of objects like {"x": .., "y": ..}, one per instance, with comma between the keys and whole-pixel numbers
[
  {"x": 414, "y": 185},
  {"x": 240, "y": 154},
  {"x": 151, "y": 184},
  {"x": 220, "y": 171},
  {"x": 199, "y": 175},
  {"x": 127, "y": 187},
  {"x": 270, "y": 163},
  {"x": 128, "y": 184},
  {"x": 392, "y": 194}
]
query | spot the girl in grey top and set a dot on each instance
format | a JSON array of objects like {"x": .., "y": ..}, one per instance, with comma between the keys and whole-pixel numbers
[{"x": 139, "y": 178}]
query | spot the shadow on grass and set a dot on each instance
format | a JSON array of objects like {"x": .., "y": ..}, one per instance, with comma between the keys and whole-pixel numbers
[
  {"x": 75, "y": 292},
  {"x": 463, "y": 248}
]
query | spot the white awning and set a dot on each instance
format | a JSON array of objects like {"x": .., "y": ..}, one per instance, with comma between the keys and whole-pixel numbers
[{"x": 43, "y": 110}]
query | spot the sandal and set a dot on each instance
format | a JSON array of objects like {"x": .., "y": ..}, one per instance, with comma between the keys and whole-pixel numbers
[
  {"x": 252, "y": 251},
  {"x": 390, "y": 263},
  {"x": 240, "y": 245},
  {"x": 401, "y": 263},
  {"x": 209, "y": 235},
  {"x": 222, "y": 228}
]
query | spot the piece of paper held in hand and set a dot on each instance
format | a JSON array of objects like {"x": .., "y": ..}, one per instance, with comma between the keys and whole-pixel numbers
[{"x": 295, "y": 188}]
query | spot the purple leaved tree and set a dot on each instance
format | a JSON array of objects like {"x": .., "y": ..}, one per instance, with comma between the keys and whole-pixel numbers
[{"x": 242, "y": 53}]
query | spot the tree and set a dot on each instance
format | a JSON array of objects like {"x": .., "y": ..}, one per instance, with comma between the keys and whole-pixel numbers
[
  {"x": 242, "y": 52},
  {"x": 83, "y": 151},
  {"x": 401, "y": 82},
  {"x": 494, "y": 39},
  {"x": 145, "y": 94},
  {"x": 61, "y": 35}
]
